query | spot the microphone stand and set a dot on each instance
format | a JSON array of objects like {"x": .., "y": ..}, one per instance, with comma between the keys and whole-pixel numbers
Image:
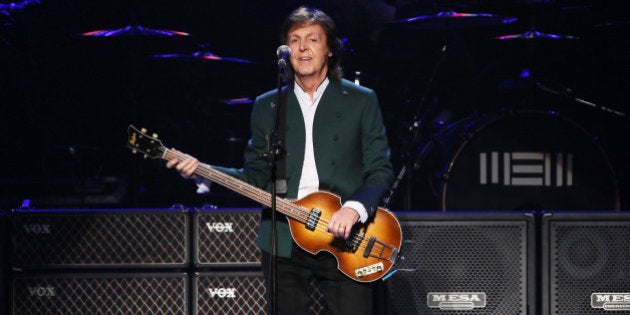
[
  {"x": 276, "y": 152},
  {"x": 414, "y": 129}
]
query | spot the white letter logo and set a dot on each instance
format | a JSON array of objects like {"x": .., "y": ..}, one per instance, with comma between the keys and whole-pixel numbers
[
  {"x": 220, "y": 227},
  {"x": 222, "y": 293},
  {"x": 526, "y": 169}
]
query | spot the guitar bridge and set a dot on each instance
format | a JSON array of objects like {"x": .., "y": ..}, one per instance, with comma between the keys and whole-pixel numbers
[
  {"x": 368, "y": 248},
  {"x": 381, "y": 254}
]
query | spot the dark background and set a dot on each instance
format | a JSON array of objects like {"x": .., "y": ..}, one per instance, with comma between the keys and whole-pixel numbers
[{"x": 66, "y": 99}]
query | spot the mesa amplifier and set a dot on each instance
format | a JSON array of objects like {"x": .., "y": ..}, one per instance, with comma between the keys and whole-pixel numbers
[
  {"x": 464, "y": 263},
  {"x": 225, "y": 237},
  {"x": 4, "y": 237},
  {"x": 100, "y": 238},
  {"x": 164, "y": 293},
  {"x": 586, "y": 263},
  {"x": 241, "y": 293}
]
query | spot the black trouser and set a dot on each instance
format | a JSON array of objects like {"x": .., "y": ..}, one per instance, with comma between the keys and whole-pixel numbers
[{"x": 343, "y": 295}]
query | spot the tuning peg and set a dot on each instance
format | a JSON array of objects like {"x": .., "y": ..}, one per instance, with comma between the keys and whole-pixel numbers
[
  {"x": 144, "y": 130},
  {"x": 134, "y": 151},
  {"x": 155, "y": 135},
  {"x": 146, "y": 156}
]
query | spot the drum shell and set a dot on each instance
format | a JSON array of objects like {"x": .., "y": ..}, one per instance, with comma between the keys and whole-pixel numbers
[{"x": 526, "y": 160}]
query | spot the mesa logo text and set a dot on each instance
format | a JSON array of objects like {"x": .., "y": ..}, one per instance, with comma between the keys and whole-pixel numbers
[
  {"x": 611, "y": 301},
  {"x": 458, "y": 301}
]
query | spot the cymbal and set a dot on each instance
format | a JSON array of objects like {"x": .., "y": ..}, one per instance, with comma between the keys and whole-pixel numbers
[
  {"x": 237, "y": 101},
  {"x": 202, "y": 55},
  {"x": 535, "y": 36},
  {"x": 452, "y": 19},
  {"x": 614, "y": 24},
  {"x": 133, "y": 30}
]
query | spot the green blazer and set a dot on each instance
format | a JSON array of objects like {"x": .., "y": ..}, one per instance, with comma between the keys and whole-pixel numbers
[{"x": 351, "y": 150}]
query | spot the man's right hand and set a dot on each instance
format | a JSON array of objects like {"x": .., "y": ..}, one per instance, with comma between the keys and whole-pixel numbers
[{"x": 186, "y": 168}]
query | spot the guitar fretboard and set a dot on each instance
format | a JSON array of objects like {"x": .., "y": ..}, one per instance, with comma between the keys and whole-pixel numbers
[{"x": 261, "y": 196}]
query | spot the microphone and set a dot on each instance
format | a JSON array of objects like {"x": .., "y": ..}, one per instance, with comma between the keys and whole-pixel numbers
[{"x": 283, "y": 53}]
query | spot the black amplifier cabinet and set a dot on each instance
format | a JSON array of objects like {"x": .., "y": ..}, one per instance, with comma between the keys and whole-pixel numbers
[
  {"x": 225, "y": 237},
  {"x": 586, "y": 263},
  {"x": 120, "y": 238},
  {"x": 85, "y": 293},
  {"x": 4, "y": 270},
  {"x": 464, "y": 263},
  {"x": 241, "y": 292}
]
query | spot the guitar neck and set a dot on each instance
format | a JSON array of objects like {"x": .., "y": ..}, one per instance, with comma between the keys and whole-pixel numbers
[{"x": 261, "y": 196}]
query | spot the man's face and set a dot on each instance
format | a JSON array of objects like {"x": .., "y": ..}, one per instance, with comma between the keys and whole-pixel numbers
[{"x": 309, "y": 51}]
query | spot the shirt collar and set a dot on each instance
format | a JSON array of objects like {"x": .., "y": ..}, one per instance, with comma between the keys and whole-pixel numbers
[{"x": 299, "y": 92}]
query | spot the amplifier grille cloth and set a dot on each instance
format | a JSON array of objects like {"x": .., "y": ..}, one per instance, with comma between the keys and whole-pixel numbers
[
  {"x": 82, "y": 239},
  {"x": 227, "y": 237},
  {"x": 588, "y": 257},
  {"x": 100, "y": 294},
  {"x": 242, "y": 293},
  {"x": 461, "y": 257}
]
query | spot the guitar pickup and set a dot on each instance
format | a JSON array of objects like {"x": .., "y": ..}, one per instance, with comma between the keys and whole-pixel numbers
[
  {"x": 355, "y": 240},
  {"x": 313, "y": 219}
]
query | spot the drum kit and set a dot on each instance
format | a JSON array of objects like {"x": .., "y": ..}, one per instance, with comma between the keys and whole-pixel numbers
[{"x": 526, "y": 158}]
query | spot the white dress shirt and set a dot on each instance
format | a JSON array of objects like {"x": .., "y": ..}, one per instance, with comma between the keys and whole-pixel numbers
[{"x": 309, "y": 182}]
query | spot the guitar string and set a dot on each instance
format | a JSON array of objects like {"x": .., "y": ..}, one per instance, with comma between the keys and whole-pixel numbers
[
  {"x": 302, "y": 213},
  {"x": 283, "y": 203},
  {"x": 234, "y": 184}
]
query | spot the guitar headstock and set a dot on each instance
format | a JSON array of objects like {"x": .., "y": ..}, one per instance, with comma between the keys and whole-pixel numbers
[{"x": 139, "y": 141}]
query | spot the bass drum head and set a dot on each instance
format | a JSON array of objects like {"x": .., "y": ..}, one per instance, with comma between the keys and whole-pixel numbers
[{"x": 524, "y": 161}]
